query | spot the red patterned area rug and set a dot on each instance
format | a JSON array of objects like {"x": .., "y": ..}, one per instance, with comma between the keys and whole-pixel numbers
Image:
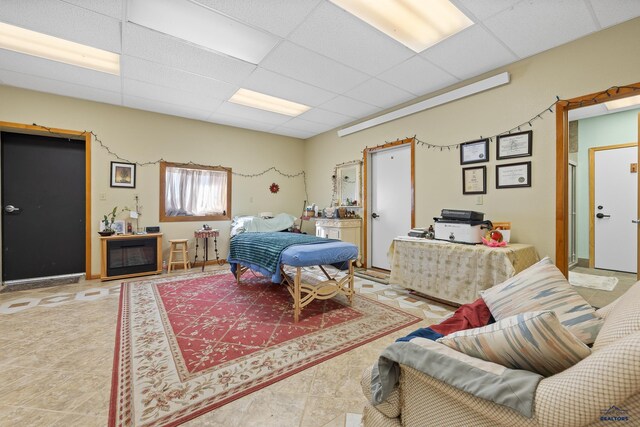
[{"x": 186, "y": 345}]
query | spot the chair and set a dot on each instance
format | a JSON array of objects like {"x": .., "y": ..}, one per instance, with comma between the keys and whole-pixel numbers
[{"x": 178, "y": 246}]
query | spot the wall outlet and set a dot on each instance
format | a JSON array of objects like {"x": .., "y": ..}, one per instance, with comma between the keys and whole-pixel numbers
[
  {"x": 102, "y": 196},
  {"x": 479, "y": 200}
]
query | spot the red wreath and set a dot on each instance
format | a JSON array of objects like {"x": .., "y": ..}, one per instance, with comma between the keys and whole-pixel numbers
[{"x": 274, "y": 188}]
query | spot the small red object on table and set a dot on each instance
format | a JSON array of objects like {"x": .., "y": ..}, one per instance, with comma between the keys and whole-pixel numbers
[{"x": 205, "y": 234}]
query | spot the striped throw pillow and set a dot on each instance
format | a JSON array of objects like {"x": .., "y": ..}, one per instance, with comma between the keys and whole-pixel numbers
[
  {"x": 535, "y": 342},
  {"x": 543, "y": 287}
]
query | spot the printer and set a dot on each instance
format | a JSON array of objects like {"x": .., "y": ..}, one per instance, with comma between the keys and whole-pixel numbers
[{"x": 461, "y": 226}]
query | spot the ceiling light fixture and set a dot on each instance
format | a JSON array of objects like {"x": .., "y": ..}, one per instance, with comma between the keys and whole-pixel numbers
[
  {"x": 623, "y": 103},
  {"x": 418, "y": 24},
  {"x": 463, "y": 92},
  {"x": 48, "y": 47},
  {"x": 202, "y": 26},
  {"x": 259, "y": 100}
]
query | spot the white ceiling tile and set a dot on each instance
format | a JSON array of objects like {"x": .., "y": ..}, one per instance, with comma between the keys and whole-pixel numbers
[
  {"x": 337, "y": 34},
  {"x": 470, "y": 53},
  {"x": 274, "y": 84},
  {"x": 41, "y": 84},
  {"x": 418, "y": 76},
  {"x": 528, "y": 28},
  {"x": 483, "y": 9},
  {"x": 59, "y": 71},
  {"x": 306, "y": 125},
  {"x": 64, "y": 20},
  {"x": 295, "y": 133},
  {"x": 166, "y": 50},
  {"x": 164, "y": 108},
  {"x": 319, "y": 115},
  {"x": 309, "y": 67},
  {"x": 112, "y": 8},
  {"x": 240, "y": 122},
  {"x": 277, "y": 16},
  {"x": 169, "y": 96},
  {"x": 349, "y": 107},
  {"x": 161, "y": 75},
  {"x": 241, "y": 111},
  {"x": 612, "y": 12},
  {"x": 379, "y": 93}
]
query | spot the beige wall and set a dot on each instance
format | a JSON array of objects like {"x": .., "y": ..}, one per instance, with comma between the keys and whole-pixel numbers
[
  {"x": 594, "y": 63},
  {"x": 143, "y": 136}
]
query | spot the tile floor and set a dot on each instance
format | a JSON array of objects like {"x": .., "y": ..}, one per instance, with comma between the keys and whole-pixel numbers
[{"x": 56, "y": 355}]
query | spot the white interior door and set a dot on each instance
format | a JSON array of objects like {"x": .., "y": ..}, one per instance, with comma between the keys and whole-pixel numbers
[
  {"x": 390, "y": 201},
  {"x": 615, "y": 206}
]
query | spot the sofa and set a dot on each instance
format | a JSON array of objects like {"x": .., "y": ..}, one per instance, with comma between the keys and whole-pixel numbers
[{"x": 602, "y": 387}]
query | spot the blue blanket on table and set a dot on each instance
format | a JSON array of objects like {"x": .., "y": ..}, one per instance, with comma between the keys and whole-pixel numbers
[{"x": 264, "y": 249}]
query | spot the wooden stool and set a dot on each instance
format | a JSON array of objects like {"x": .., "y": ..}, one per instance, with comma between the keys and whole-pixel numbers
[{"x": 178, "y": 246}]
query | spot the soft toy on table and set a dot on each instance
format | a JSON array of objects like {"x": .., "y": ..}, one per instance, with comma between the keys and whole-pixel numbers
[{"x": 494, "y": 239}]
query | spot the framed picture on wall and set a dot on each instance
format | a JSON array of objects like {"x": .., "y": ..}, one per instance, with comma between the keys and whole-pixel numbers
[
  {"x": 123, "y": 175},
  {"x": 474, "y": 151},
  {"x": 514, "y": 145},
  {"x": 513, "y": 175},
  {"x": 474, "y": 180}
]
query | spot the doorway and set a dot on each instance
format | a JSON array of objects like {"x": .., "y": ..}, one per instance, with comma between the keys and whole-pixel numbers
[
  {"x": 389, "y": 198},
  {"x": 45, "y": 203}
]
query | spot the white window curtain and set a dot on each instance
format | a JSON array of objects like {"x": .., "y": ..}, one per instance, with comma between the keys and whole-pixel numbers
[{"x": 195, "y": 192}]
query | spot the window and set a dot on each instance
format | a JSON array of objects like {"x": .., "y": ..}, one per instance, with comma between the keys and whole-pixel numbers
[{"x": 194, "y": 193}]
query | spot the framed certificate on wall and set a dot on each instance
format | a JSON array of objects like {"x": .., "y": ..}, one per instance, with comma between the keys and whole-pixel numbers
[
  {"x": 474, "y": 180},
  {"x": 474, "y": 151},
  {"x": 514, "y": 145},
  {"x": 513, "y": 175}
]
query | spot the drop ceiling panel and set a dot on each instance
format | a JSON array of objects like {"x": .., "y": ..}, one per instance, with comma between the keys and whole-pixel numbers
[
  {"x": 305, "y": 125},
  {"x": 169, "y": 96},
  {"x": 339, "y": 35},
  {"x": 528, "y": 29},
  {"x": 319, "y": 115},
  {"x": 112, "y": 8},
  {"x": 240, "y": 122},
  {"x": 279, "y": 17},
  {"x": 274, "y": 84},
  {"x": 161, "y": 75},
  {"x": 470, "y": 53},
  {"x": 53, "y": 71},
  {"x": 295, "y": 133},
  {"x": 483, "y": 9},
  {"x": 166, "y": 50},
  {"x": 41, "y": 84},
  {"x": 241, "y": 111},
  {"x": 164, "y": 108},
  {"x": 614, "y": 12},
  {"x": 64, "y": 20},
  {"x": 349, "y": 107},
  {"x": 378, "y": 93},
  {"x": 418, "y": 76},
  {"x": 309, "y": 67}
]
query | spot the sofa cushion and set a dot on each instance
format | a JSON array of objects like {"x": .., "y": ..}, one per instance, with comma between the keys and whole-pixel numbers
[
  {"x": 536, "y": 342},
  {"x": 623, "y": 319},
  {"x": 543, "y": 287}
]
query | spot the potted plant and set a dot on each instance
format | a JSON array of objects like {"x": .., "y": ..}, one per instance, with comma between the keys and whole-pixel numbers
[{"x": 108, "y": 221}]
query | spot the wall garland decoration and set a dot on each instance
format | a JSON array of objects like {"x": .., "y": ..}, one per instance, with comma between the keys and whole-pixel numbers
[{"x": 302, "y": 173}]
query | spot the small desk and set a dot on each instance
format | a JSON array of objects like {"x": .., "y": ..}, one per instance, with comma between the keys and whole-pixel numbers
[
  {"x": 455, "y": 272},
  {"x": 205, "y": 234}
]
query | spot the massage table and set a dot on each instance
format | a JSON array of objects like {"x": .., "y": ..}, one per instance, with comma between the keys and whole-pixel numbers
[{"x": 269, "y": 254}]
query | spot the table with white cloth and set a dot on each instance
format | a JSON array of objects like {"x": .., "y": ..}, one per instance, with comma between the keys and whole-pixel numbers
[{"x": 455, "y": 272}]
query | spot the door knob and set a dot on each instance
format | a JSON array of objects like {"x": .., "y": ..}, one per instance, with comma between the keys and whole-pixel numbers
[
  {"x": 635, "y": 221},
  {"x": 11, "y": 208},
  {"x": 601, "y": 215},
  {"x": 374, "y": 215}
]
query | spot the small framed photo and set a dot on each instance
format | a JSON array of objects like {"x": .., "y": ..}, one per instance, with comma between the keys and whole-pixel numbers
[
  {"x": 513, "y": 175},
  {"x": 123, "y": 175},
  {"x": 474, "y": 151},
  {"x": 514, "y": 145},
  {"x": 119, "y": 226},
  {"x": 474, "y": 180}
]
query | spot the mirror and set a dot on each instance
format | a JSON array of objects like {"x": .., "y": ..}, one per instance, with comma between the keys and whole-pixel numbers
[{"x": 348, "y": 183}]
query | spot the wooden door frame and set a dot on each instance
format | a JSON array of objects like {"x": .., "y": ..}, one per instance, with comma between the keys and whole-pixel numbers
[
  {"x": 76, "y": 135},
  {"x": 592, "y": 195},
  {"x": 562, "y": 162},
  {"x": 365, "y": 206}
]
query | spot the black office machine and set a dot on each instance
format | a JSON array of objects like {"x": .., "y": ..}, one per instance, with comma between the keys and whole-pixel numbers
[{"x": 461, "y": 226}]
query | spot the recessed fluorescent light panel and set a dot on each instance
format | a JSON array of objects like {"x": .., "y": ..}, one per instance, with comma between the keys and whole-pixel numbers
[
  {"x": 630, "y": 101},
  {"x": 48, "y": 47},
  {"x": 418, "y": 24},
  {"x": 259, "y": 100},
  {"x": 202, "y": 26}
]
